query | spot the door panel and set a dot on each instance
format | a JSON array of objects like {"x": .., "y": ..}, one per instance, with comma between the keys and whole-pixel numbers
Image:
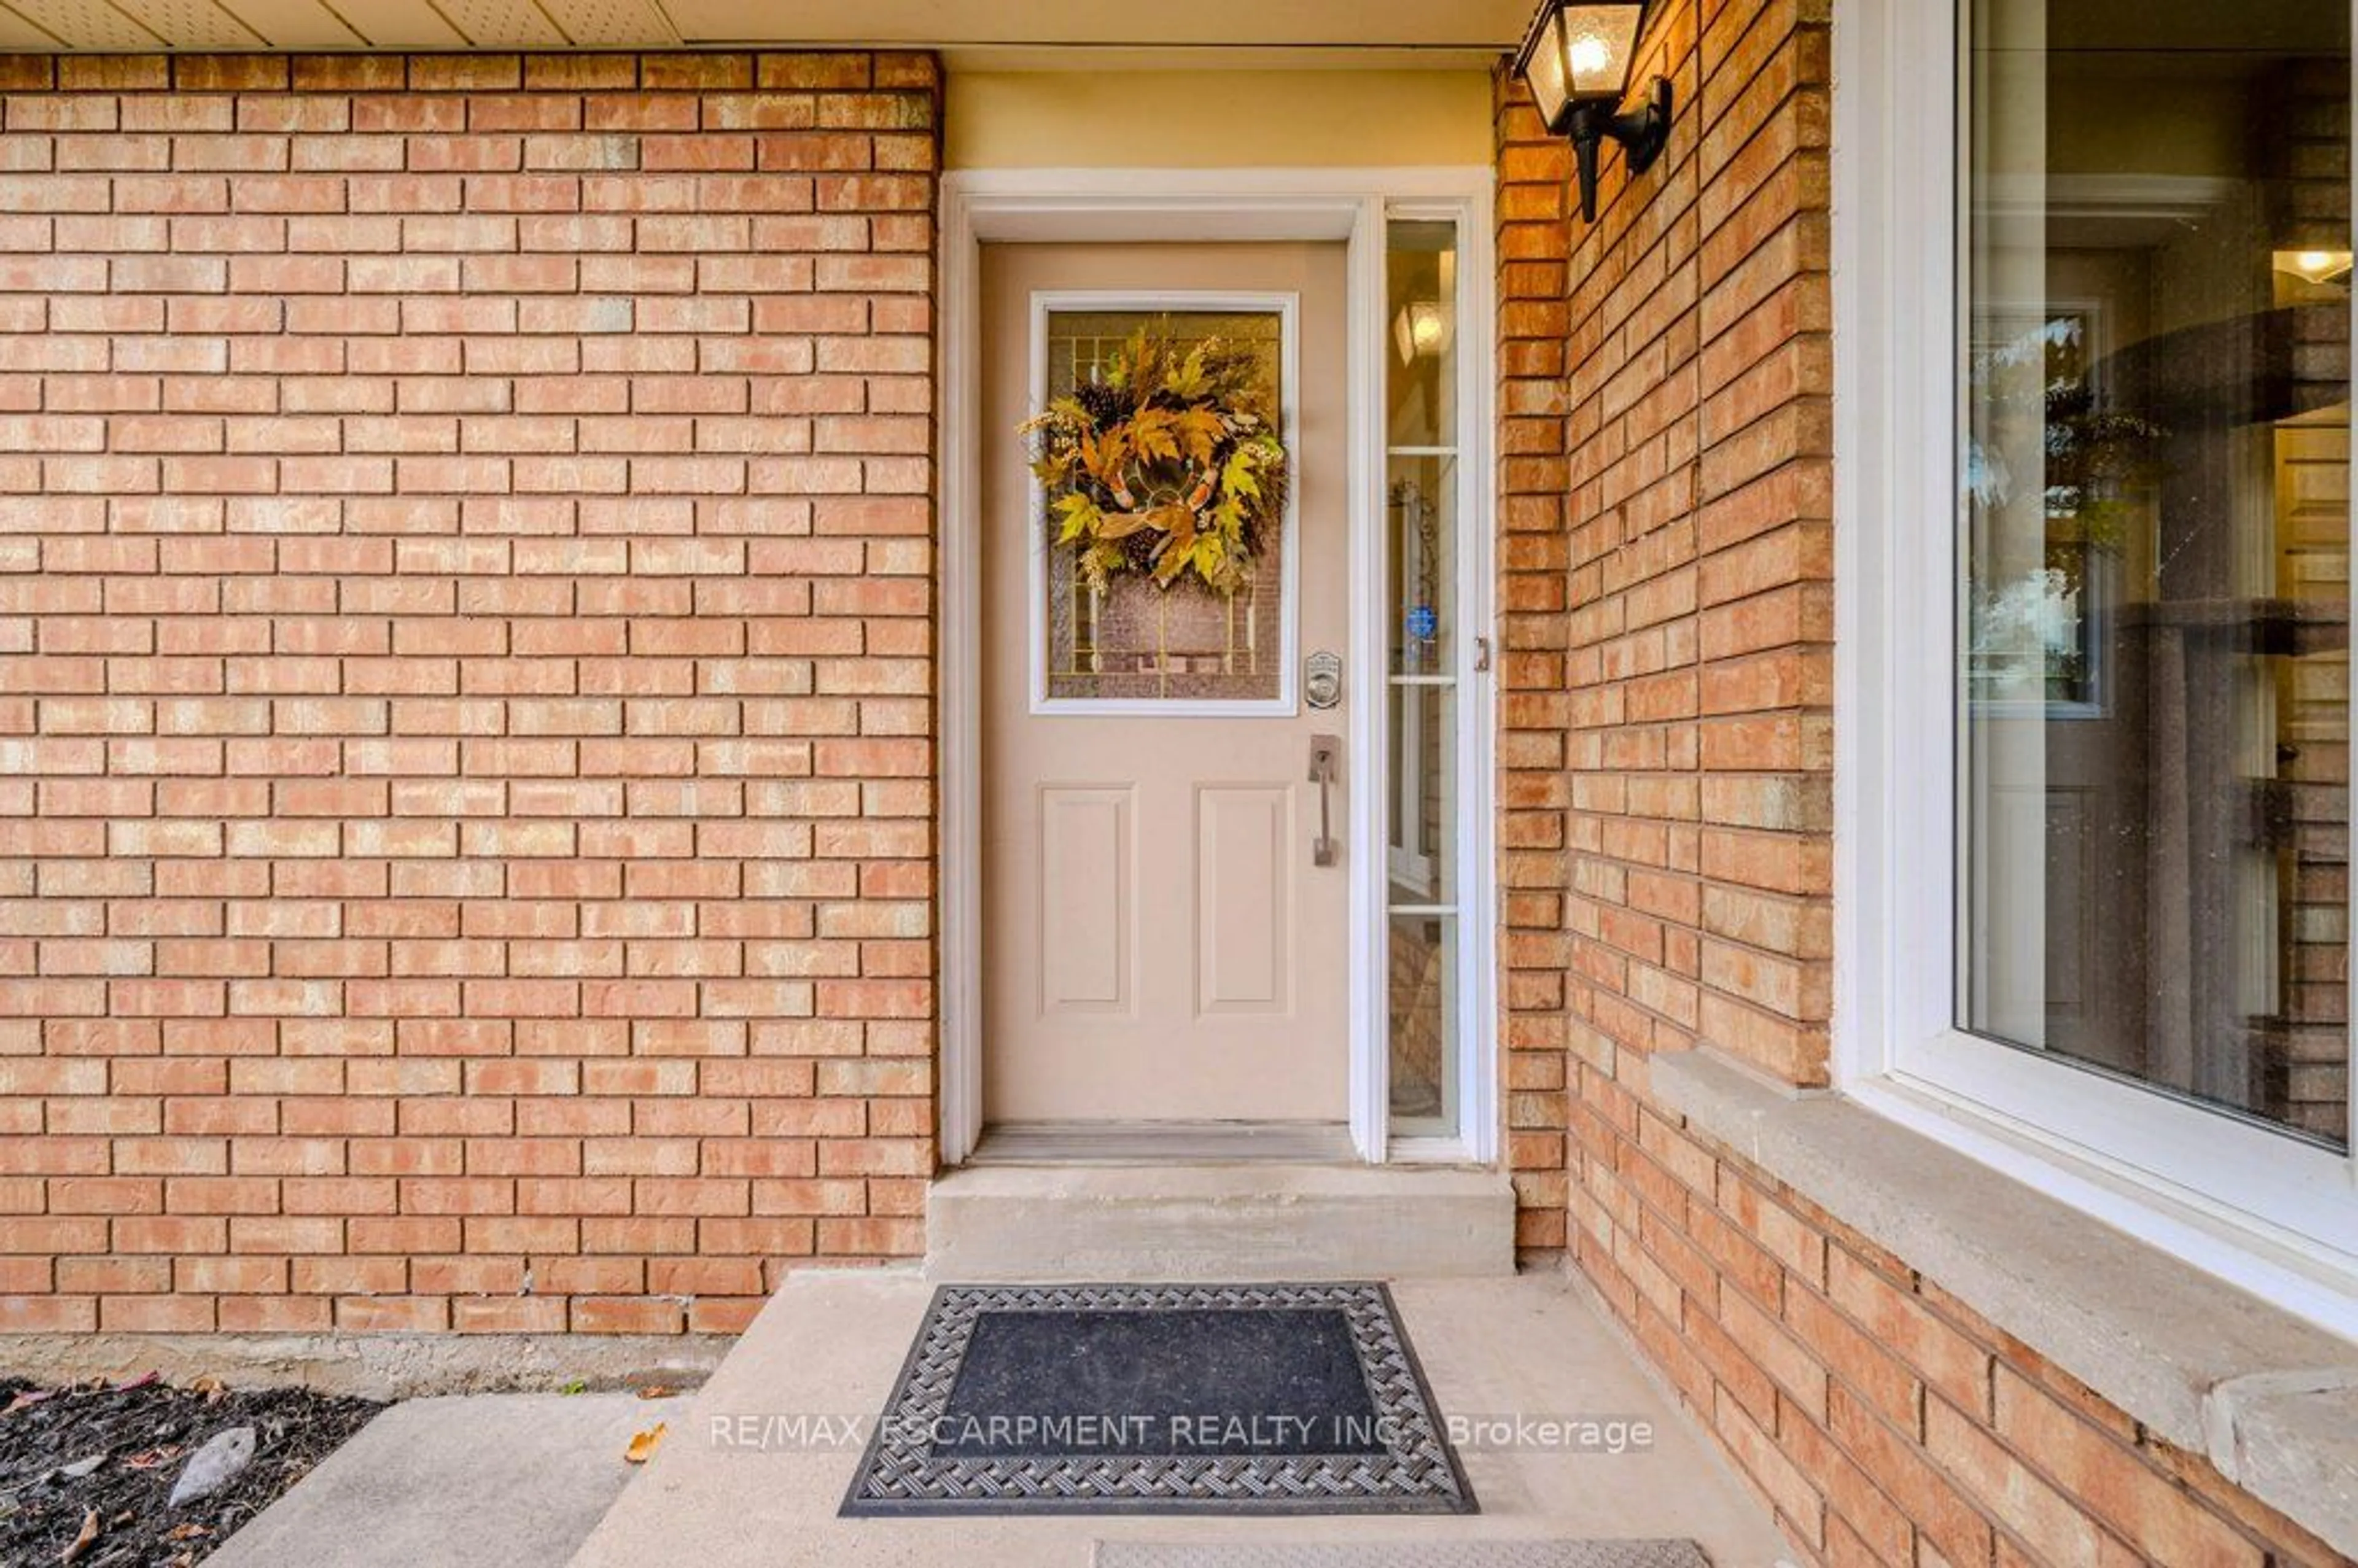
[
  {"x": 1157, "y": 944},
  {"x": 1086, "y": 925},
  {"x": 1244, "y": 867}
]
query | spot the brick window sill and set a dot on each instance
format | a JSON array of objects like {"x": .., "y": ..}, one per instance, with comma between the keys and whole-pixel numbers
[{"x": 2271, "y": 1400}]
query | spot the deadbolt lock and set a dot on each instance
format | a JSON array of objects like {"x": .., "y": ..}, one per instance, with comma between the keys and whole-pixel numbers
[{"x": 1322, "y": 680}]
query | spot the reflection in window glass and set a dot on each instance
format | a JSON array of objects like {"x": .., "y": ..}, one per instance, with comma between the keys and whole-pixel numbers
[
  {"x": 1423, "y": 803},
  {"x": 2155, "y": 616},
  {"x": 1424, "y": 1003},
  {"x": 1421, "y": 530},
  {"x": 1420, "y": 270}
]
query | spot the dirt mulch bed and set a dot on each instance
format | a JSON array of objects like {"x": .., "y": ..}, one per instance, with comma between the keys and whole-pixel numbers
[{"x": 141, "y": 1435}]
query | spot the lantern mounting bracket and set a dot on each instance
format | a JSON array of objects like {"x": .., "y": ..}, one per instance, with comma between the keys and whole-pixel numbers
[{"x": 1643, "y": 133}]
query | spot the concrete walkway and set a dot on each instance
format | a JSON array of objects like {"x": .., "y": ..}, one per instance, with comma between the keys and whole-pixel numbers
[
  {"x": 830, "y": 1344},
  {"x": 500, "y": 1480}
]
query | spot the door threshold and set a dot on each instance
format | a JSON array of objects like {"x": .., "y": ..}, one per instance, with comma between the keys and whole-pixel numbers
[{"x": 1165, "y": 1143}]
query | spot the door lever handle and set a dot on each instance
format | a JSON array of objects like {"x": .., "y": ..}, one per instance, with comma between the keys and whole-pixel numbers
[{"x": 1326, "y": 760}]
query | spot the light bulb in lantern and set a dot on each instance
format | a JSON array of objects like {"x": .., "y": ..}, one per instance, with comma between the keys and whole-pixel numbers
[{"x": 1597, "y": 43}]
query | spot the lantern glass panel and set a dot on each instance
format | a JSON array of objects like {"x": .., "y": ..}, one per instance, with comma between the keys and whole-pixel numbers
[
  {"x": 1598, "y": 41},
  {"x": 1543, "y": 67}
]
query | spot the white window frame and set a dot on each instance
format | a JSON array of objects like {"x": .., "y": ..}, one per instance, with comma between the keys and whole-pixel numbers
[
  {"x": 2263, "y": 1209},
  {"x": 1469, "y": 902}
]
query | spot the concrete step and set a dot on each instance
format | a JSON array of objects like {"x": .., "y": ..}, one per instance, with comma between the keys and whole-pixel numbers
[{"x": 1245, "y": 1221}]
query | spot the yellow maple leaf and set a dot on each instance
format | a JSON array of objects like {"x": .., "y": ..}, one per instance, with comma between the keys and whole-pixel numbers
[
  {"x": 1154, "y": 435},
  {"x": 644, "y": 1443},
  {"x": 1188, "y": 383},
  {"x": 1200, "y": 433},
  {"x": 1080, "y": 516}
]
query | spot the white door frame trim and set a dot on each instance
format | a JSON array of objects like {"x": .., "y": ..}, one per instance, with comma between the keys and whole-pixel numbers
[{"x": 1215, "y": 205}]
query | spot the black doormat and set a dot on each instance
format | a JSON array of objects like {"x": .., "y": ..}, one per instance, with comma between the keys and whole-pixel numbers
[{"x": 1159, "y": 1399}]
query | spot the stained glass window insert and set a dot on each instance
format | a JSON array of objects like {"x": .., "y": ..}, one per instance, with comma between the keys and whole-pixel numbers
[{"x": 1130, "y": 640}]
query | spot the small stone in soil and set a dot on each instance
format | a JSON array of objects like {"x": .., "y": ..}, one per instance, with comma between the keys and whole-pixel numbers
[
  {"x": 214, "y": 1465},
  {"x": 145, "y": 1429}
]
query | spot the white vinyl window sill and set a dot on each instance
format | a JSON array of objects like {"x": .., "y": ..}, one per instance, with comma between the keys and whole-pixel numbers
[{"x": 2270, "y": 1399}]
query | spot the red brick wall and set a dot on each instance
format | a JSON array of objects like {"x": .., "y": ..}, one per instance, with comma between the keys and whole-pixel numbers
[
  {"x": 465, "y": 657},
  {"x": 1535, "y": 785},
  {"x": 1667, "y": 787}
]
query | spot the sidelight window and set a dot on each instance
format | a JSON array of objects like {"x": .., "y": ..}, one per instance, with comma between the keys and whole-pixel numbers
[{"x": 1423, "y": 500}]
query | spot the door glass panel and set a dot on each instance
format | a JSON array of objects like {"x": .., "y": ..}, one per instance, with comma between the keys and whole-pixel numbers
[
  {"x": 1130, "y": 639},
  {"x": 2154, "y": 618},
  {"x": 1423, "y": 1022},
  {"x": 1422, "y": 496},
  {"x": 1421, "y": 532},
  {"x": 1420, "y": 269},
  {"x": 1423, "y": 796}
]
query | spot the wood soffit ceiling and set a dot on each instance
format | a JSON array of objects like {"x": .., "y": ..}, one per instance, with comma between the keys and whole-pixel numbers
[{"x": 1022, "y": 32}]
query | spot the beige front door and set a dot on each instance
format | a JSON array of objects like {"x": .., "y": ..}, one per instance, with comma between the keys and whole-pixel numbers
[{"x": 1158, "y": 945}]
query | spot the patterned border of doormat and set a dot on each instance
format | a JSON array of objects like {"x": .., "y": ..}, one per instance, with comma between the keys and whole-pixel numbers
[
  {"x": 1414, "y": 1471},
  {"x": 1414, "y": 1554},
  {"x": 1418, "y": 1554}
]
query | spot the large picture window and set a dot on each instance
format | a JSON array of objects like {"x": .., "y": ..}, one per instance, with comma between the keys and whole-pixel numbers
[
  {"x": 2093, "y": 335},
  {"x": 2155, "y": 610}
]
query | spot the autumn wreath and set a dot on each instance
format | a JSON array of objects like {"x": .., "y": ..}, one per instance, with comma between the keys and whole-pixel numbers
[{"x": 1165, "y": 463}]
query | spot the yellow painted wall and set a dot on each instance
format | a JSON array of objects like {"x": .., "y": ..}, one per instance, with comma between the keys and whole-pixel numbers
[{"x": 1282, "y": 119}]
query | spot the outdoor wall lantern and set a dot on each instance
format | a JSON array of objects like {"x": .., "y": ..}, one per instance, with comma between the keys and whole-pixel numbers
[
  {"x": 2315, "y": 267},
  {"x": 1577, "y": 62}
]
